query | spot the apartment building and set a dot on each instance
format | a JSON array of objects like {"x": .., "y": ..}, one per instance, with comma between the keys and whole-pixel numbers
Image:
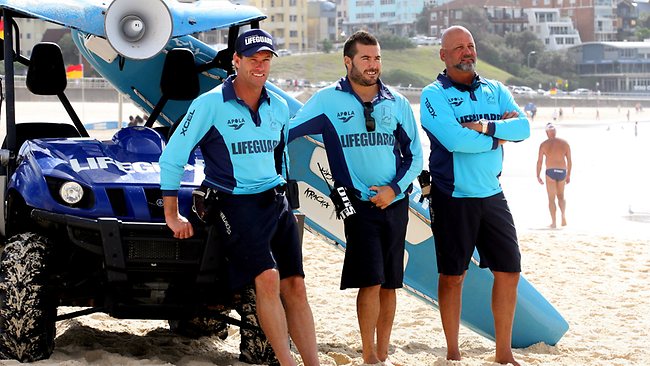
[
  {"x": 31, "y": 33},
  {"x": 287, "y": 22},
  {"x": 618, "y": 66},
  {"x": 555, "y": 31},
  {"x": 383, "y": 16},
  {"x": 321, "y": 23},
  {"x": 503, "y": 15},
  {"x": 595, "y": 20}
]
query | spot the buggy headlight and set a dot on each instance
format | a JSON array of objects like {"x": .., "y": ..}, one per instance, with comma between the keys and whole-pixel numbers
[{"x": 71, "y": 192}]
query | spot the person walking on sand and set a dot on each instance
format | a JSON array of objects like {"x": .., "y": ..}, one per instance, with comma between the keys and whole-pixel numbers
[
  {"x": 256, "y": 227},
  {"x": 374, "y": 152},
  {"x": 557, "y": 154},
  {"x": 467, "y": 119}
]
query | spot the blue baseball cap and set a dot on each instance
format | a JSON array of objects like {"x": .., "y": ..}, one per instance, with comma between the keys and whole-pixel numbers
[{"x": 253, "y": 41}]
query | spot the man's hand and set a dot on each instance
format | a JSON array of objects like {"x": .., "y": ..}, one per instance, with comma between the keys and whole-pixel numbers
[
  {"x": 177, "y": 223},
  {"x": 540, "y": 180},
  {"x": 508, "y": 115},
  {"x": 385, "y": 195},
  {"x": 180, "y": 226},
  {"x": 568, "y": 179},
  {"x": 476, "y": 126}
]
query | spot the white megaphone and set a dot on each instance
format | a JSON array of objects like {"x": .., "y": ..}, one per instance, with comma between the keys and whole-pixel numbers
[{"x": 138, "y": 29}]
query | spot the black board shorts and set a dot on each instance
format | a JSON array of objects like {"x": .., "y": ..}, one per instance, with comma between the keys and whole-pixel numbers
[
  {"x": 461, "y": 224},
  {"x": 375, "y": 240},
  {"x": 258, "y": 232}
]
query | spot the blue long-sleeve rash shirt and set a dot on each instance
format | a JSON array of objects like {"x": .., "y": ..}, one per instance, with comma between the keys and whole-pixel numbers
[
  {"x": 239, "y": 146},
  {"x": 389, "y": 156},
  {"x": 463, "y": 162}
]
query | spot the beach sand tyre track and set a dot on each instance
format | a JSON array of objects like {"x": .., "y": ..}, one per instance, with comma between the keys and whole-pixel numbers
[{"x": 27, "y": 308}]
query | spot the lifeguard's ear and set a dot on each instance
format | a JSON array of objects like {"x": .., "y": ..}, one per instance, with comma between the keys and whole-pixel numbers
[{"x": 236, "y": 60}]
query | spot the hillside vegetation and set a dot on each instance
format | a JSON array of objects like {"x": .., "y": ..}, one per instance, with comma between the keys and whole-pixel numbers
[{"x": 423, "y": 61}]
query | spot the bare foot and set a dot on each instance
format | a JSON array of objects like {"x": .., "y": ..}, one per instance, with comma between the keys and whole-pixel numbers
[
  {"x": 564, "y": 221},
  {"x": 508, "y": 361},
  {"x": 552, "y": 226},
  {"x": 453, "y": 356}
]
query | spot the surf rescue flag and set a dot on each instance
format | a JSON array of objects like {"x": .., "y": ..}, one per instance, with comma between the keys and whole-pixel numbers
[{"x": 75, "y": 71}]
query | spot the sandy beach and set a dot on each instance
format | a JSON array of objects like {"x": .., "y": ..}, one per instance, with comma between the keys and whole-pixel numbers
[{"x": 595, "y": 271}]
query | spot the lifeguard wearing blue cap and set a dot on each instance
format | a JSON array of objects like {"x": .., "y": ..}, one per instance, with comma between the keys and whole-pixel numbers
[{"x": 253, "y": 41}]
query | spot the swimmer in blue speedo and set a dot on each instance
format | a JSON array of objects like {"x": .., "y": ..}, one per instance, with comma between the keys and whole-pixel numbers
[{"x": 557, "y": 153}]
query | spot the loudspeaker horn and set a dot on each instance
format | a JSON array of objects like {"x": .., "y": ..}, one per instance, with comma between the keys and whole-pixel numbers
[{"x": 138, "y": 29}]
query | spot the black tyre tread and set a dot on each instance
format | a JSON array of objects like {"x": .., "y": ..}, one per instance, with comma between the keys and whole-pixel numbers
[
  {"x": 200, "y": 327},
  {"x": 27, "y": 311}
]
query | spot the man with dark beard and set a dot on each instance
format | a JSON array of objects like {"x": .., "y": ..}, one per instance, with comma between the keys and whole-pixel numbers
[
  {"x": 374, "y": 154},
  {"x": 467, "y": 119}
]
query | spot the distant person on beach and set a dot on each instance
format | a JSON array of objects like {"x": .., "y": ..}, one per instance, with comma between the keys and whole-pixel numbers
[
  {"x": 557, "y": 154},
  {"x": 374, "y": 153},
  {"x": 468, "y": 118},
  {"x": 241, "y": 127}
]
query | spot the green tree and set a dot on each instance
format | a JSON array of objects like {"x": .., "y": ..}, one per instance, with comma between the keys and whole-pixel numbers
[
  {"x": 327, "y": 45},
  {"x": 642, "y": 33},
  {"x": 422, "y": 25},
  {"x": 526, "y": 42},
  {"x": 476, "y": 21},
  {"x": 69, "y": 50},
  {"x": 556, "y": 63}
]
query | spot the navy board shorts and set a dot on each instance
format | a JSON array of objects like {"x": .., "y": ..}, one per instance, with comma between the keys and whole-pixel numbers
[
  {"x": 258, "y": 232},
  {"x": 461, "y": 224},
  {"x": 374, "y": 251}
]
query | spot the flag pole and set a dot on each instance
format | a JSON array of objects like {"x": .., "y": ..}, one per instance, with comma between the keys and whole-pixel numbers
[{"x": 83, "y": 92}]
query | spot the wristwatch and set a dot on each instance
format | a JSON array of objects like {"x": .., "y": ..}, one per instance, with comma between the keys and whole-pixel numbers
[{"x": 484, "y": 125}]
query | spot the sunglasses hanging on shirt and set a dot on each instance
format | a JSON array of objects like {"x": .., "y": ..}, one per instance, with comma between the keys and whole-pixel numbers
[{"x": 367, "y": 113}]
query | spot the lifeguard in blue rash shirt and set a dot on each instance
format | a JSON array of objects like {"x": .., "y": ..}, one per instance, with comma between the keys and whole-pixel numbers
[
  {"x": 242, "y": 128},
  {"x": 468, "y": 119},
  {"x": 374, "y": 151}
]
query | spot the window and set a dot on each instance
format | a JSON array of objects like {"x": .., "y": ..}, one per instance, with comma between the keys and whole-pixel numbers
[
  {"x": 365, "y": 16},
  {"x": 293, "y": 2},
  {"x": 387, "y": 2},
  {"x": 293, "y": 33},
  {"x": 293, "y": 18},
  {"x": 390, "y": 14}
]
